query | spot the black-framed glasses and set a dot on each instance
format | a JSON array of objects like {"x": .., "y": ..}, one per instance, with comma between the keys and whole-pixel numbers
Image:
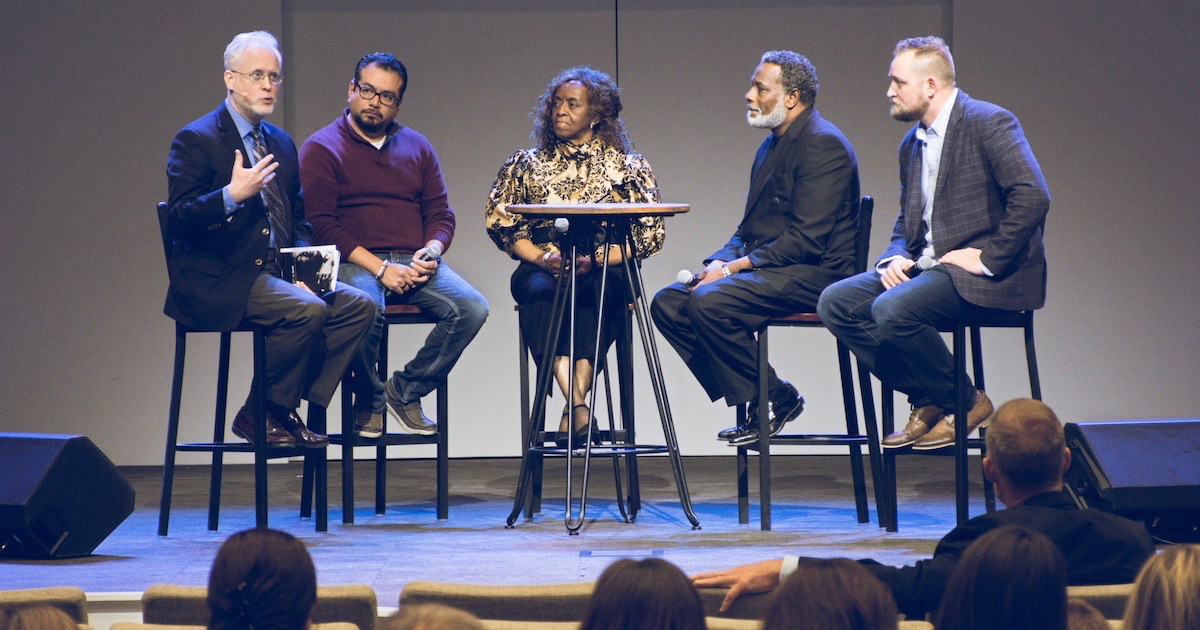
[
  {"x": 367, "y": 93},
  {"x": 258, "y": 75}
]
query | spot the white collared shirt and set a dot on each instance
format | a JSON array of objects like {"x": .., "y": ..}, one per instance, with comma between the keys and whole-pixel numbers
[{"x": 931, "y": 139}]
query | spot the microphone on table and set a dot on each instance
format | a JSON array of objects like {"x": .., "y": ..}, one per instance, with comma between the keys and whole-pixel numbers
[
  {"x": 432, "y": 252},
  {"x": 687, "y": 278},
  {"x": 923, "y": 263},
  {"x": 561, "y": 225}
]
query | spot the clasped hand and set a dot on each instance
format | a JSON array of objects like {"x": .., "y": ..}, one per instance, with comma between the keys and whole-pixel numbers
[
  {"x": 400, "y": 278},
  {"x": 553, "y": 264}
]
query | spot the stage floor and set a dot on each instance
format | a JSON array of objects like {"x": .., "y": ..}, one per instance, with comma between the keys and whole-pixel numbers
[{"x": 813, "y": 514}]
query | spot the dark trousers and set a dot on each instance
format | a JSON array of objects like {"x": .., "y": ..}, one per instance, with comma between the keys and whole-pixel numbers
[
  {"x": 310, "y": 338},
  {"x": 533, "y": 290},
  {"x": 712, "y": 328},
  {"x": 895, "y": 333}
]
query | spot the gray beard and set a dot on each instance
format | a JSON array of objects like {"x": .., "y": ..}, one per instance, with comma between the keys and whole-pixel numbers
[{"x": 770, "y": 120}]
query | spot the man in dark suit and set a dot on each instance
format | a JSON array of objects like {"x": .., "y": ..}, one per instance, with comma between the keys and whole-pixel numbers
[
  {"x": 796, "y": 237},
  {"x": 234, "y": 200},
  {"x": 1027, "y": 456},
  {"x": 968, "y": 241}
]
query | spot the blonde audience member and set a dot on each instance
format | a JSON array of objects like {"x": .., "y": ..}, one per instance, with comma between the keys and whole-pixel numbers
[
  {"x": 261, "y": 579},
  {"x": 431, "y": 617},
  {"x": 1166, "y": 595},
  {"x": 37, "y": 617},
  {"x": 1083, "y": 616},
  {"x": 837, "y": 594},
  {"x": 650, "y": 594}
]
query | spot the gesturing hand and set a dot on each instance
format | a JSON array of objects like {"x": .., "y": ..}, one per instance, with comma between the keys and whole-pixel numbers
[{"x": 244, "y": 183}]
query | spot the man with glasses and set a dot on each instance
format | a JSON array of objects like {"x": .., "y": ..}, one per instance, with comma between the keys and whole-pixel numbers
[
  {"x": 374, "y": 188},
  {"x": 233, "y": 202}
]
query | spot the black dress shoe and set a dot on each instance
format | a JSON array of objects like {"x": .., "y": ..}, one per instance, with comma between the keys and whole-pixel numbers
[
  {"x": 579, "y": 435},
  {"x": 243, "y": 427},
  {"x": 303, "y": 436},
  {"x": 783, "y": 411}
]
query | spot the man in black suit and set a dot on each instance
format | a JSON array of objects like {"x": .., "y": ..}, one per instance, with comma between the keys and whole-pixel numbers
[
  {"x": 1027, "y": 456},
  {"x": 968, "y": 241},
  {"x": 233, "y": 201},
  {"x": 795, "y": 238}
]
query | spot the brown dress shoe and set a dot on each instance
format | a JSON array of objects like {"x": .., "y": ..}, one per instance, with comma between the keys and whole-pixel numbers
[
  {"x": 243, "y": 427},
  {"x": 920, "y": 421},
  {"x": 304, "y": 437},
  {"x": 942, "y": 435}
]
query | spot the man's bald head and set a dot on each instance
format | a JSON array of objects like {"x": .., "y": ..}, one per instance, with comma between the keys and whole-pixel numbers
[{"x": 1025, "y": 443}]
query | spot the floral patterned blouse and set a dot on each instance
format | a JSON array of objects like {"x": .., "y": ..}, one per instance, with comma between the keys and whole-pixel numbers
[{"x": 589, "y": 173}]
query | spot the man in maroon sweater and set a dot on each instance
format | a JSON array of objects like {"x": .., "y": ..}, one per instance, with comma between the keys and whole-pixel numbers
[{"x": 374, "y": 188}]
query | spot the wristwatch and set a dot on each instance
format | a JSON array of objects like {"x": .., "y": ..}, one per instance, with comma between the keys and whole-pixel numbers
[{"x": 725, "y": 270}]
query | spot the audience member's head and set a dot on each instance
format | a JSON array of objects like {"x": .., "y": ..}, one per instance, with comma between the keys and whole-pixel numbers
[
  {"x": 1010, "y": 578},
  {"x": 837, "y": 594},
  {"x": 1167, "y": 592},
  {"x": 1083, "y": 616},
  {"x": 643, "y": 594},
  {"x": 1026, "y": 451},
  {"x": 36, "y": 617},
  {"x": 262, "y": 579},
  {"x": 431, "y": 617}
]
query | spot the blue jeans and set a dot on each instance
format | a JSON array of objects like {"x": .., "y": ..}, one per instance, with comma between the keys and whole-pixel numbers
[
  {"x": 894, "y": 332},
  {"x": 459, "y": 309}
]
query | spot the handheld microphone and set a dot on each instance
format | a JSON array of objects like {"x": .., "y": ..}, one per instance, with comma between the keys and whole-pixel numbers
[
  {"x": 923, "y": 263},
  {"x": 431, "y": 252},
  {"x": 561, "y": 225},
  {"x": 687, "y": 278}
]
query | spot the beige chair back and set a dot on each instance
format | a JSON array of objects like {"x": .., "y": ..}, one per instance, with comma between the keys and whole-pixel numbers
[
  {"x": 1109, "y": 599},
  {"x": 169, "y": 604},
  {"x": 543, "y": 602},
  {"x": 69, "y": 599}
]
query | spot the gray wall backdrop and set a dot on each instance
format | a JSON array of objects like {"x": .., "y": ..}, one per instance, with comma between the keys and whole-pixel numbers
[{"x": 93, "y": 94}]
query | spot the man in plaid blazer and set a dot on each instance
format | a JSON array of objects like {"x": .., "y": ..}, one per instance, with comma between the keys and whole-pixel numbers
[{"x": 968, "y": 240}]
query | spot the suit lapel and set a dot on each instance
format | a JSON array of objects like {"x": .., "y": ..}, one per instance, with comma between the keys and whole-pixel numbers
[
  {"x": 783, "y": 146},
  {"x": 949, "y": 150},
  {"x": 229, "y": 135}
]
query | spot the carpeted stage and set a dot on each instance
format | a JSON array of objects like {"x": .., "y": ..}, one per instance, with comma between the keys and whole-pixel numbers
[{"x": 813, "y": 514}]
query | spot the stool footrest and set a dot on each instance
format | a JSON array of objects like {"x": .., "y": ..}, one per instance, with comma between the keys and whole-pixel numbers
[
  {"x": 602, "y": 450},
  {"x": 387, "y": 439},
  {"x": 813, "y": 440},
  {"x": 238, "y": 447}
]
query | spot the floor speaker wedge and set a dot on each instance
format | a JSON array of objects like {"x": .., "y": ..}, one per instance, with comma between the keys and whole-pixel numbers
[
  {"x": 1146, "y": 470},
  {"x": 60, "y": 497}
]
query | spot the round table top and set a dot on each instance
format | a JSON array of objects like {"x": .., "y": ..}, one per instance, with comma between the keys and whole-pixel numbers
[{"x": 599, "y": 209}]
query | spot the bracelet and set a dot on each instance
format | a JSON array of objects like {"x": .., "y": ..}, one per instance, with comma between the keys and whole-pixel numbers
[
  {"x": 725, "y": 271},
  {"x": 541, "y": 261},
  {"x": 382, "y": 268}
]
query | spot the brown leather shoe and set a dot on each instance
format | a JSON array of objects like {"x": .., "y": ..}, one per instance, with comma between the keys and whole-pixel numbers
[
  {"x": 920, "y": 421},
  {"x": 942, "y": 435},
  {"x": 303, "y": 436},
  {"x": 243, "y": 427}
]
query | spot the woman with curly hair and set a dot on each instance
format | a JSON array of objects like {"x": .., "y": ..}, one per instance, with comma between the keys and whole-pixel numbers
[{"x": 583, "y": 155}]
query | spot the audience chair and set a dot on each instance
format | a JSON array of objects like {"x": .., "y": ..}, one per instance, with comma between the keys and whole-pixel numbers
[
  {"x": 314, "y": 458},
  {"x": 393, "y": 314},
  {"x": 543, "y": 602},
  {"x": 1014, "y": 319},
  {"x": 1109, "y": 599},
  {"x": 169, "y": 604},
  {"x": 612, "y": 435},
  {"x": 68, "y": 599},
  {"x": 852, "y": 438},
  {"x": 128, "y": 625}
]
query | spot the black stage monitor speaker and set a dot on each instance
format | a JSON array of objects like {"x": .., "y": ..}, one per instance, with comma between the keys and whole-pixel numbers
[
  {"x": 1146, "y": 470},
  {"x": 60, "y": 496}
]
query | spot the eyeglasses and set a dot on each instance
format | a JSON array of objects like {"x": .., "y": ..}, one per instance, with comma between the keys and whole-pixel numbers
[
  {"x": 258, "y": 75},
  {"x": 367, "y": 93}
]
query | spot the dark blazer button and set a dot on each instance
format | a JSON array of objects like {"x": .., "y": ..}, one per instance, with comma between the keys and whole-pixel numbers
[
  {"x": 266, "y": 231},
  {"x": 258, "y": 261},
  {"x": 776, "y": 200}
]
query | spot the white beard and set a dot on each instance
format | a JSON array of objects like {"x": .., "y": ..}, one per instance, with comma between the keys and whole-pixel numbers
[{"x": 769, "y": 120}]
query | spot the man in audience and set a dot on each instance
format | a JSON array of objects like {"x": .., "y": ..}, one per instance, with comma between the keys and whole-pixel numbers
[
  {"x": 1027, "y": 456},
  {"x": 233, "y": 202},
  {"x": 795, "y": 237},
  {"x": 374, "y": 188}
]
